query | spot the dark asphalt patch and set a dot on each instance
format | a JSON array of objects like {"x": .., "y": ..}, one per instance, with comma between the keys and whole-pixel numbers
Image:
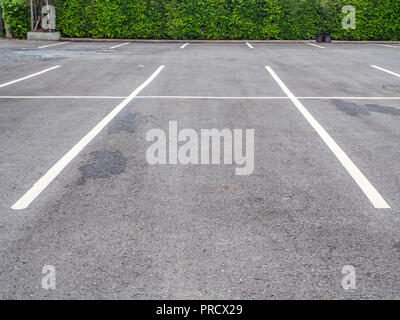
[
  {"x": 105, "y": 165},
  {"x": 353, "y": 109}
]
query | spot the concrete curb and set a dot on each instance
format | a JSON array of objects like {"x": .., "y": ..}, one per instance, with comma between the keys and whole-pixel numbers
[{"x": 217, "y": 41}]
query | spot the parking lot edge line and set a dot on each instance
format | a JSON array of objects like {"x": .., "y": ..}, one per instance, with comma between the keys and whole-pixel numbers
[
  {"x": 52, "y": 45},
  {"x": 54, "y": 171},
  {"x": 385, "y": 70},
  {"x": 120, "y": 45},
  {"x": 209, "y": 97},
  {"x": 183, "y": 46},
  {"x": 200, "y": 97},
  {"x": 28, "y": 77},
  {"x": 61, "y": 97},
  {"x": 369, "y": 190}
]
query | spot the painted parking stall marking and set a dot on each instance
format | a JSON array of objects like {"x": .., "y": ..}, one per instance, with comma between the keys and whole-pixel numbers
[
  {"x": 369, "y": 190},
  {"x": 54, "y": 171},
  {"x": 201, "y": 97},
  {"x": 183, "y": 46},
  {"x": 28, "y": 77},
  {"x": 315, "y": 45},
  {"x": 388, "y": 46},
  {"x": 249, "y": 45},
  {"x": 385, "y": 70},
  {"x": 52, "y": 45},
  {"x": 120, "y": 45}
]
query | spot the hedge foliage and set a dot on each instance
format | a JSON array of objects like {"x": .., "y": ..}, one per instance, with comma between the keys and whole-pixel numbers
[
  {"x": 16, "y": 15},
  {"x": 214, "y": 19}
]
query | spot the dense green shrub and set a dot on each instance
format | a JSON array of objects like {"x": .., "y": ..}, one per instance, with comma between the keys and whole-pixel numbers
[
  {"x": 376, "y": 20},
  {"x": 16, "y": 15},
  {"x": 214, "y": 19}
]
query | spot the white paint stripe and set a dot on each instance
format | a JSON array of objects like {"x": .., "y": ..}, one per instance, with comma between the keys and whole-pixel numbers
[
  {"x": 51, "y": 45},
  {"x": 388, "y": 46},
  {"x": 54, "y": 171},
  {"x": 184, "y": 46},
  {"x": 349, "y": 98},
  {"x": 208, "y": 97},
  {"x": 249, "y": 45},
  {"x": 368, "y": 189},
  {"x": 315, "y": 45},
  {"x": 385, "y": 70},
  {"x": 28, "y": 77},
  {"x": 199, "y": 97},
  {"x": 268, "y": 98},
  {"x": 60, "y": 97},
  {"x": 120, "y": 45}
]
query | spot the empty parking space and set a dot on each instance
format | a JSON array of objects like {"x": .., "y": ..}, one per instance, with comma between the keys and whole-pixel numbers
[{"x": 322, "y": 193}]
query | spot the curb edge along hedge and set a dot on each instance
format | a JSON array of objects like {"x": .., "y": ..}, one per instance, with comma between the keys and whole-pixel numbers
[{"x": 213, "y": 19}]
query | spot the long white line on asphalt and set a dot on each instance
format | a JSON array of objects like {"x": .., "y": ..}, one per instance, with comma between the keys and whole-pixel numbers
[
  {"x": 184, "y": 45},
  {"x": 199, "y": 97},
  {"x": 119, "y": 45},
  {"x": 387, "y": 46},
  {"x": 52, "y": 45},
  {"x": 61, "y": 97},
  {"x": 369, "y": 190},
  {"x": 385, "y": 70},
  {"x": 208, "y": 97},
  {"x": 54, "y": 171},
  {"x": 28, "y": 77},
  {"x": 249, "y": 45},
  {"x": 315, "y": 45},
  {"x": 268, "y": 98}
]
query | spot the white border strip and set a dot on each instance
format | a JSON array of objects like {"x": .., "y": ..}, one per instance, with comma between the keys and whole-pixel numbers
[
  {"x": 27, "y": 77},
  {"x": 386, "y": 45},
  {"x": 120, "y": 45},
  {"x": 54, "y": 171},
  {"x": 61, "y": 97},
  {"x": 199, "y": 97},
  {"x": 372, "y": 194},
  {"x": 51, "y": 45},
  {"x": 385, "y": 70}
]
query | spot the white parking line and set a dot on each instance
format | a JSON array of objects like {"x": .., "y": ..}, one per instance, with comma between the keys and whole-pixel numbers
[
  {"x": 385, "y": 70},
  {"x": 51, "y": 45},
  {"x": 249, "y": 45},
  {"x": 120, "y": 45},
  {"x": 199, "y": 97},
  {"x": 315, "y": 45},
  {"x": 61, "y": 97},
  {"x": 27, "y": 77},
  {"x": 209, "y": 97},
  {"x": 387, "y": 46},
  {"x": 184, "y": 45},
  {"x": 369, "y": 190},
  {"x": 54, "y": 171}
]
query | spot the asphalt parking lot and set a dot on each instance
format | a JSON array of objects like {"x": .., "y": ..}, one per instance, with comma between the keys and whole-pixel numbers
[{"x": 77, "y": 192}]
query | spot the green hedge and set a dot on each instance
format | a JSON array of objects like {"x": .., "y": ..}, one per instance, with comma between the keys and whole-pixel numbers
[
  {"x": 214, "y": 19},
  {"x": 16, "y": 15}
]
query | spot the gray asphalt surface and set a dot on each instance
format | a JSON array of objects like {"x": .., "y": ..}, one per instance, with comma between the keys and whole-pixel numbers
[{"x": 116, "y": 227}]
